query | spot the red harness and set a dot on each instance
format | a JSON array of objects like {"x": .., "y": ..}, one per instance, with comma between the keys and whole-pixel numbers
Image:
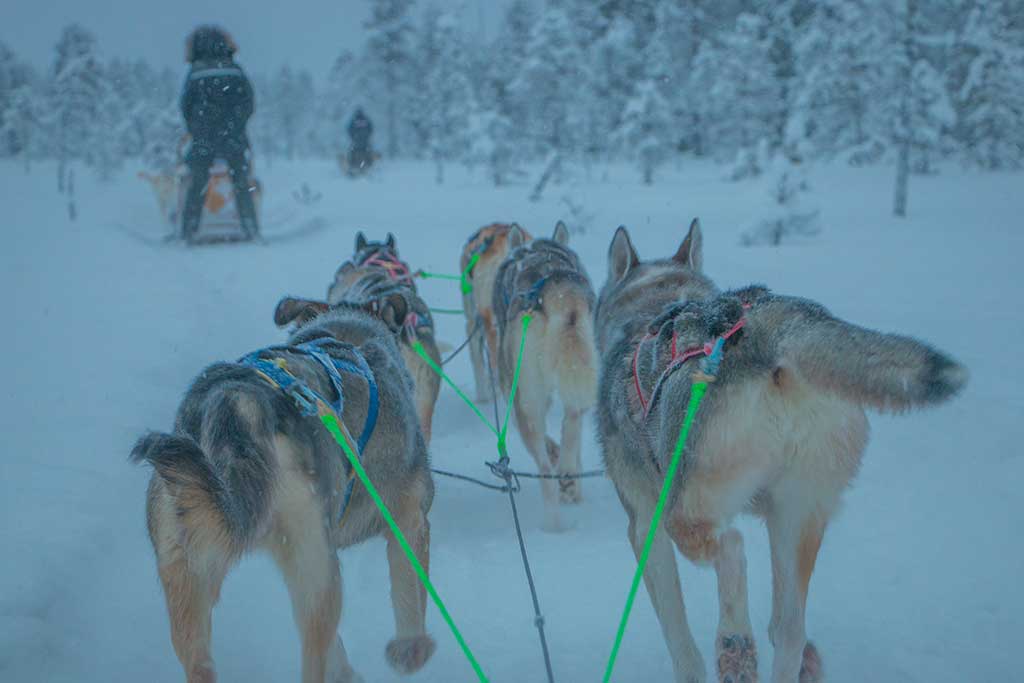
[
  {"x": 677, "y": 358},
  {"x": 395, "y": 269}
]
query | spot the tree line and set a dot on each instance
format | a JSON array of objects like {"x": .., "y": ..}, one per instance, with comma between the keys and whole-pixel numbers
[{"x": 585, "y": 81}]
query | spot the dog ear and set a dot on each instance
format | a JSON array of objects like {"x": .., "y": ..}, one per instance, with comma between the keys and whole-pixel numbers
[
  {"x": 691, "y": 251},
  {"x": 621, "y": 255},
  {"x": 561, "y": 234},
  {"x": 516, "y": 237},
  {"x": 390, "y": 241},
  {"x": 299, "y": 311},
  {"x": 360, "y": 241},
  {"x": 393, "y": 310}
]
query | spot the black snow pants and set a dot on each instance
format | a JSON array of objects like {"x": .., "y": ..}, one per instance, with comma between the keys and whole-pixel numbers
[{"x": 199, "y": 159}]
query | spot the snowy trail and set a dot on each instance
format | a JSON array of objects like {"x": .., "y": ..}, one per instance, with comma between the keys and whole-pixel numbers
[{"x": 918, "y": 579}]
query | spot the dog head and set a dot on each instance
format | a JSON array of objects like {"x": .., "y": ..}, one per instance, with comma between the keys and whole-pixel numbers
[
  {"x": 391, "y": 308},
  {"x": 623, "y": 258},
  {"x": 367, "y": 249}
]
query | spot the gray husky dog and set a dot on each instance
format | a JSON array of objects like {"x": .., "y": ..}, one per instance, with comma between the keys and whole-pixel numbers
[
  {"x": 780, "y": 434},
  {"x": 545, "y": 279},
  {"x": 245, "y": 470},
  {"x": 375, "y": 273}
]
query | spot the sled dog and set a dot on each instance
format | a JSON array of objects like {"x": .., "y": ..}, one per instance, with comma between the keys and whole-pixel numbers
[
  {"x": 545, "y": 279},
  {"x": 374, "y": 274},
  {"x": 490, "y": 246},
  {"x": 245, "y": 470},
  {"x": 780, "y": 434}
]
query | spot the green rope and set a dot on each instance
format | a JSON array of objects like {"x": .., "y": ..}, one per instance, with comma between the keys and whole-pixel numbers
[
  {"x": 515, "y": 385},
  {"x": 418, "y": 348},
  {"x": 447, "y": 311},
  {"x": 437, "y": 276},
  {"x": 696, "y": 394},
  {"x": 467, "y": 286},
  {"x": 331, "y": 422}
]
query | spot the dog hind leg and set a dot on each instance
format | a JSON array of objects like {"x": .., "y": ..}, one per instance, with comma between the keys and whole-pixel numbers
[
  {"x": 661, "y": 578},
  {"x": 568, "y": 463},
  {"x": 531, "y": 407},
  {"x": 191, "y": 588},
  {"x": 734, "y": 645},
  {"x": 299, "y": 544},
  {"x": 411, "y": 647},
  {"x": 795, "y": 535}
]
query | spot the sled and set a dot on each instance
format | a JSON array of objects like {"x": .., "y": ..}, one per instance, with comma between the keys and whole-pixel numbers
[{"x": 219, "y": 221}]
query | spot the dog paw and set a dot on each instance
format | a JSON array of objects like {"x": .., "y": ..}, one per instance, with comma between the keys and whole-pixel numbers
[
  {"x": 811, "y": 670},
  {"x": 408, "y": 655},
  {"x": 349, "y": 676},
  {"x": 570, "y": 492},
  {"x": 737, "y": 659}
]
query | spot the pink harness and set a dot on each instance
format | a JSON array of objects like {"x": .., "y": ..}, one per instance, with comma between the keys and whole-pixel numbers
[
  {"x": 677, "y": 358},
  {"x": 395, "y": 269}
]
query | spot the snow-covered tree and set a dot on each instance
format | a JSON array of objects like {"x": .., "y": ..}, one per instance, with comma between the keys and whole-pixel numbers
[
  {"x": 837, "y": 71},
  {"x": 75, "y": 114},
  {"x": 389, "y": 48},
  {"x": 16, "y": 79},
  {"x": 292, "y": 102},
  {"x": 924, "y": 110},
  {"x": 990, "y": 98},
  {"x": 550, "y": 77},
  {"x": 449, "y": 97},
  {"x": 164, "y": 135},
  {"x": 334, "y": 104},
  {"x": 21, "y": 128},
  {"x": 646, "y": 128},
  {"x": 741, "y": 98}
]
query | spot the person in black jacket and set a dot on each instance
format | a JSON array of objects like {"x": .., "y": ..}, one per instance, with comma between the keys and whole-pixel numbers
[
  {"x": 217, "y": 102},
  {"x": 360, "y": 128}
]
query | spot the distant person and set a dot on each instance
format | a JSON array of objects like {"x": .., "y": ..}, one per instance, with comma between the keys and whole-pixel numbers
[
  {"x": 217, "y": 103},
  {"x": 360, "y": 128}
]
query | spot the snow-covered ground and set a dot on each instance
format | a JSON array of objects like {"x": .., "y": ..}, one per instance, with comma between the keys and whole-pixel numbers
[{"x": 919, "y": 576}]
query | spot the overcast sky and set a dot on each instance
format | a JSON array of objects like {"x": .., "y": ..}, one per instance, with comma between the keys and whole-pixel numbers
[{"x": 269, "y": 33}]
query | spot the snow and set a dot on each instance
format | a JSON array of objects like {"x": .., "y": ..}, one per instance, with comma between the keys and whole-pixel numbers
[{"x": 918, "y": 579}]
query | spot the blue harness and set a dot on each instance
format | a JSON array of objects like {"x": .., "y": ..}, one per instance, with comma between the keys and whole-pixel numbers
[
  {"x": 531, "y": 297},
  {"x": 309, "y": 401}
]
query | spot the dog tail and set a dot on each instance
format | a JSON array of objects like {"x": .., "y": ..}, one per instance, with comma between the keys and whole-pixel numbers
[
  {"x": 568, "y": 303},
  {"x": 889, "y": 372},
  {"x": 221, "y": 492}
]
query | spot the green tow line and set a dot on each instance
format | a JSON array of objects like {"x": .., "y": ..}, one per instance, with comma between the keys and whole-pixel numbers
[
  {"x": 331, "y": 422},
  {"x": 697, "y": 392}
]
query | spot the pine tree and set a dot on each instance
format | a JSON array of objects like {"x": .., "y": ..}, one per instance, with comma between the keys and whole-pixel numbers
[
  {"x": 646, "y": 128},
  {"x": 924, "y": 109},
  {"x": 836, "y": 71},
  {"x": 550, "y": 78},
  {"x": 740, "y": 94},
  {"x": 450, "y": 97},
  {"x": 504, "y": 112},
  {"x": 292, "y": 104},
  {"x": 76, "y": 95},
  {"x": 334, "y": 103},
  {"x": 990, "y": 98},
  {"x": 16, "y": 81},
  {"x": 389, "y": 47}
]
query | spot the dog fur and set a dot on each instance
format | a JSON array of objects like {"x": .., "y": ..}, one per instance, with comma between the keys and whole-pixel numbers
[
  {"x": 491, "y": 241},
  {"x": 780, "y": 434},
  {"x": 545, "y": 278},
  {"x": 356, "y": 281},
  {"x": 244, "y": 471}
]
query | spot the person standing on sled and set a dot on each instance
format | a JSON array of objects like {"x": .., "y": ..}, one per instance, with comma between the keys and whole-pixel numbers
[
  {"x": 217, "y": 102},
  {"x": 360, "y": 128}
]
